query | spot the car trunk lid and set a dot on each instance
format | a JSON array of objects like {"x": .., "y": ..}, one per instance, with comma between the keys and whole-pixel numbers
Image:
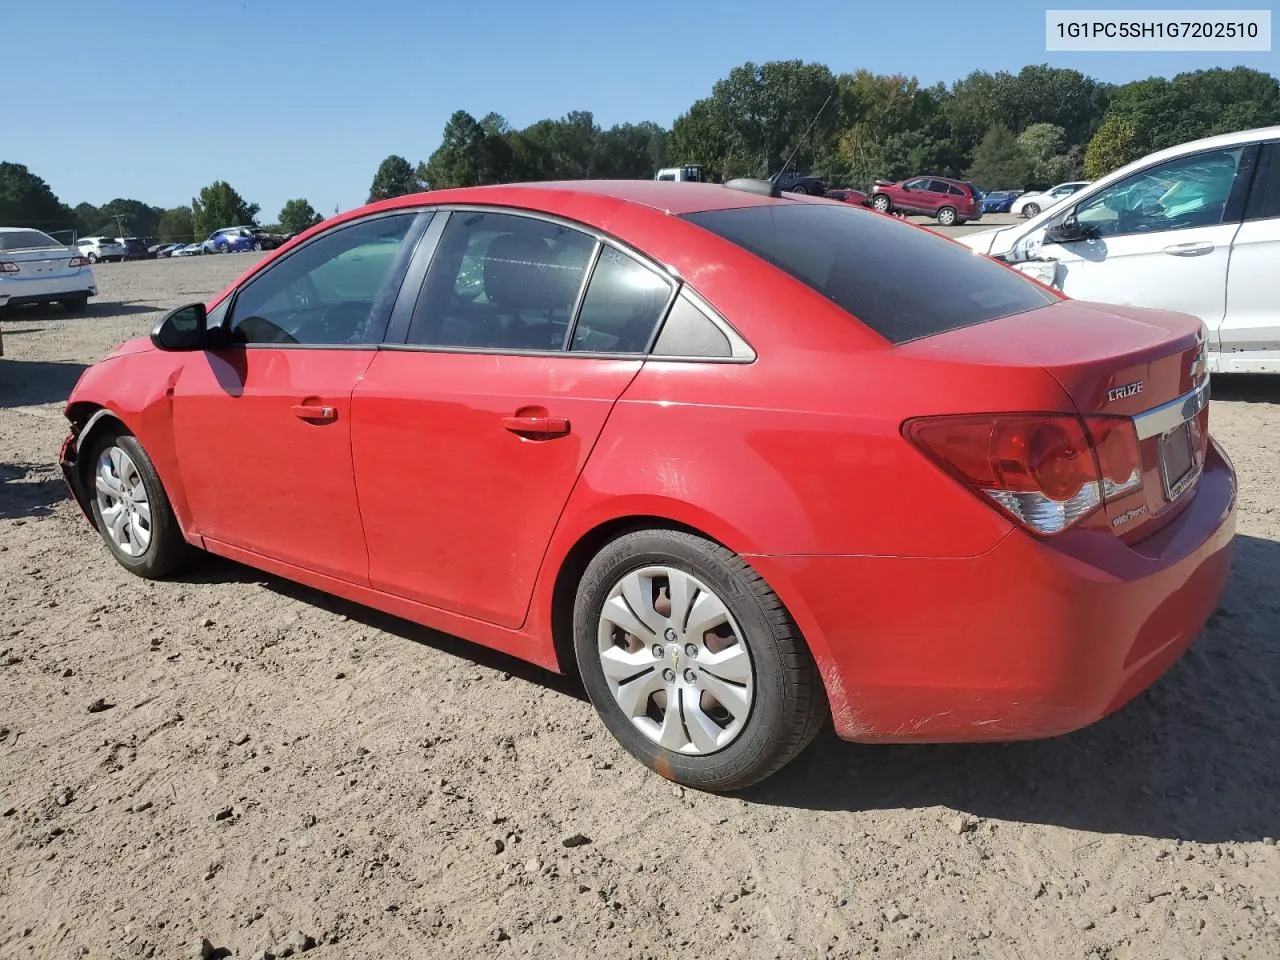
[
  {"x": 1145, "y": 366},
  {"x": 41, "y": 261}
]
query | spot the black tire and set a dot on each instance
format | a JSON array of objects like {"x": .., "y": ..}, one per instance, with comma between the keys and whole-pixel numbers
[
  {"x": 1031, "y": 210},
  {"x": 91, "y": 257},
  {"x": 882, "y": 203},
  {"x": 257, "y": 246},
  {"x": 799, "y": 188},
  {"x": 167, "y": 552},
  {"x": 947, "y": 216},
  {"x": 789, "y": 702},
  {"x": 75, "y": 304}
]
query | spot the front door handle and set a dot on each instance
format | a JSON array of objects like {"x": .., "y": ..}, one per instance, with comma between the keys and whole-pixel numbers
[
  {"x": 537, "y": 426},
  {"x": 307, "y": 411},
  {"x": 1189, "y": 249}
]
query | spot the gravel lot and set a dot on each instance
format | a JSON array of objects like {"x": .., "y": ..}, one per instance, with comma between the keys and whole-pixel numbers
[{"x": 277, "y": 769}]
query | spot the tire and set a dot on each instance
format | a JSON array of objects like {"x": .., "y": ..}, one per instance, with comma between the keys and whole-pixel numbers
[
  {"x": 165, "y": 551},
  {"x": 1031, "y": 210},
  {"x": 783, "y": 701},
  {"x": 257, "y": 246},
  {"x": 947, "y": 216},
  {"x": 882, "y": 203},
  {"x": 91, "y": 257},
  {"x": 75, "y": 304},
  {"x": 799, "y": 188}
]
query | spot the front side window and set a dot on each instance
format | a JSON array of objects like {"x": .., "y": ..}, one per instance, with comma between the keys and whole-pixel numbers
[
  {"x": 502, "y": 281},
  {"x": 1175, "y": 195},
  {"x": 917, "y": 184},
  {"x": 329, "y": 290},
  {"x": 871, "y": 267}
]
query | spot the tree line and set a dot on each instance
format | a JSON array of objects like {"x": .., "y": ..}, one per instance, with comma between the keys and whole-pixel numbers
[{"x": 1039, "y": 126}]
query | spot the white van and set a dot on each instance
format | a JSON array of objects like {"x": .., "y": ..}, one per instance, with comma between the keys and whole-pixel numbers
[{"x": 1194, "y": 228}]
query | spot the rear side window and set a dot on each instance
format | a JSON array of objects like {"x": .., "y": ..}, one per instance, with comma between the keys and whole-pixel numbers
[
  {"x": 901, "y": 281},
  {"x": 624, "y": 302}
]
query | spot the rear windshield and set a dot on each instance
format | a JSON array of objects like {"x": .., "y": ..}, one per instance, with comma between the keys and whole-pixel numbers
[
  {"x": 27, "y": 240},
  {"x": 901, "y": 281}
]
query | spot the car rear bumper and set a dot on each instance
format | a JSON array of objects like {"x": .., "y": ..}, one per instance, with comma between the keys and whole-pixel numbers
[
  {"x": 1031, "y": 639},
  {"x": 15, "y": 293}
]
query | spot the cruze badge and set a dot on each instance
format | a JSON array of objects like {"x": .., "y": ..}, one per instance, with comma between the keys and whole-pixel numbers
[{"x": 1128, "y": 390}]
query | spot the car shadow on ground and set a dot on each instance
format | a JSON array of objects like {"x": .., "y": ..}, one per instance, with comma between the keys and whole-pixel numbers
[
  {"x": 1249, "y": 388},
  {"x": 96, "y": 308},
  {"x": 29, "y": 383},
  {"x": 25, "y": 493},
  {"x": 214, "y": 570},
  {"x": 1196, "y": 757}
]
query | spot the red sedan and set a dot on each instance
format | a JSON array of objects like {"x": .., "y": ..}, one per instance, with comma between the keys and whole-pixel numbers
[{"x": 743, "y": 461}]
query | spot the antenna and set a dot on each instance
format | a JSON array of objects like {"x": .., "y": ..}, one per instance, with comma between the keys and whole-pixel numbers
[{"x": 803, "y": 136}]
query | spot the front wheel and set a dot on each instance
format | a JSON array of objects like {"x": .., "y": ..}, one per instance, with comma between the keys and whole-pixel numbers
[
  {"x": 130, "y": 507},
  {"x": 947, "y": 216},
  {"x": 881, "y": 203},
  {"x": 692, "y": 661},
  {"x": 1031, "y": 210}
]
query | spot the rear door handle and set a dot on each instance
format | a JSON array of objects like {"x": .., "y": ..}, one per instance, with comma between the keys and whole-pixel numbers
[
  {"x": 537, "y": 426},
  {"x": 307, "y": 411},
  {"x": 1189, "y": 249}
]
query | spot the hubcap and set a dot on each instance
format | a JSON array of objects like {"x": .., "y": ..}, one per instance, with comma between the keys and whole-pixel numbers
[
  {"x": 122, "y": 502},
  {"x": 675, "y": 661}
]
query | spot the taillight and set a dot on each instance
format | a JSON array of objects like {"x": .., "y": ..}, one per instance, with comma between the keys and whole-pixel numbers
[
  {"x": 8, "y": 266},
  {"x": 77, "y": 262},
  {"x": 1046, "y": 471}
]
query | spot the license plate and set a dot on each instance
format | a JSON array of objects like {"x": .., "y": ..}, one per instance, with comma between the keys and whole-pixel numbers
[{"x": 1177, "y": 456}]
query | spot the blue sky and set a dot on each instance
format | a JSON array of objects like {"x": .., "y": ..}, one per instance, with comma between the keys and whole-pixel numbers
[{"x": 152, "y": 99}]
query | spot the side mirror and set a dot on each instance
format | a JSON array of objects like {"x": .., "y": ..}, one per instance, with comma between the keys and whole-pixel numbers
[
  {"x": 181, "y": 329},
  {"x": 1069, "y": 231}
]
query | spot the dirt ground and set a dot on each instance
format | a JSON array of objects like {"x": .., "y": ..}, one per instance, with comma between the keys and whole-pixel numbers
[{"x": 278, "y": 771}]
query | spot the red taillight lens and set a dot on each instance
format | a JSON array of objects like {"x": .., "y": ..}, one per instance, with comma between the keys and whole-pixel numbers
[
  {"x": 1041, "y": 469},
  {"x": 7, "y": 266},
  {"x": 77, "y": 262}
]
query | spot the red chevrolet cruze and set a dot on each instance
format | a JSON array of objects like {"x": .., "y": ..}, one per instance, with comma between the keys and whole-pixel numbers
[{"x": 743, "y": 461}]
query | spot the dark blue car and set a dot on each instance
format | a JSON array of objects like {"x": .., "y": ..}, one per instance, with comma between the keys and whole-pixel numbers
[{"x": 998, "y": 201}]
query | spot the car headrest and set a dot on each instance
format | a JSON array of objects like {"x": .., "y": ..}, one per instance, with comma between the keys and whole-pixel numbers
[{"x": 522, "y": 272}]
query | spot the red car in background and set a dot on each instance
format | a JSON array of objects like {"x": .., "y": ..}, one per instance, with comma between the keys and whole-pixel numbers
[
  {"x": 848, "y": 195},
  {"x": 718, "y": 450},
  {"x": 950, "y": 202}
]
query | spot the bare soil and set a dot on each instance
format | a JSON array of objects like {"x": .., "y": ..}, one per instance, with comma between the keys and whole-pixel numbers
[{"x": 232, "y": 758}]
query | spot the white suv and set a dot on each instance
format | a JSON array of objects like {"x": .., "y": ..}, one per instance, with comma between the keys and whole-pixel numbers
[
  {"x": 95, "y": 249},
  {"x": 1195, "y": 228}
]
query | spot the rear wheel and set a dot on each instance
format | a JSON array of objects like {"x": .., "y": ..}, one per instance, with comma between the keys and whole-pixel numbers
[
  {"x": 947, "y": 216},
  {"x": 881, "y": 203},
  {"x": 75, "y": 304},
  {"x": 1031, "y": 210},
  {"x": 130, "y": 507},
  {"x": 92, "y": 257},
  {"x": 692, "y": 661}
]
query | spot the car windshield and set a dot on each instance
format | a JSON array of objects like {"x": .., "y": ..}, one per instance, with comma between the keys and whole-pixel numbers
[
  {"x": 872, "y": 267},
  {"x": 27, "y": 240}
]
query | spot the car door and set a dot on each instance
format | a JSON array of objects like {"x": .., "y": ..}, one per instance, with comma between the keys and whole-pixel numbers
[
  {"x": 915, "y": 195},
  {"x": 475, "y": 420},
  {"x": 1163, "y": 235},
  {"x": 1251, "y": 327},
  {"x": 262, "y": 419}
]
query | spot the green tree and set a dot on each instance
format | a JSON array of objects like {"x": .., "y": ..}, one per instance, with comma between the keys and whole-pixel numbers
[
  {"x": 177, "y": 225},
  {"x": 999, "y": 161},
  {"x": 27, "y": 201},
  {"x": 394, "y": 179},
  {"x": 1045, "y": 147},
  {"x": 220, "y": 206},
  {"x": 1114, "y": 145},
  {"x": 469, "y": 154},
  {"x": 297, "y": 215}
]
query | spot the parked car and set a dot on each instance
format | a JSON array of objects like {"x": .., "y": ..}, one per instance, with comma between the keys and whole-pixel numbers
[
  {"x": 795, "y": 183},
  {"x": 848, "y": 195},
  {"x": 262, "y": 240},
  {"x": 998, "y": 201},
  {"x": 187, "y": 250},
  {"x": 35, "y": 268},
  {"x": 1194, "y": 228},
  {"x": 134, "y": 248},
  {"x": 948, "y": 201},
  {"x": 235, "y": 240},
  {"x": 96, "y": 249},
  {"x": 1030, "y": 204},
  {"x": 978, "y": 527}
]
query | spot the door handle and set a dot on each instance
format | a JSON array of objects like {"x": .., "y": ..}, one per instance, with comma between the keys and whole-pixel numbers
[
  {"x": 537, "y": 426},
  {"x": 307, "y": 411},
  {"x": 1189, "y": 249}
]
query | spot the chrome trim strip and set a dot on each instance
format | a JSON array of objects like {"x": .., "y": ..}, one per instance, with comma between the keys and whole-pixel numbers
[{"x": 1162, "y": 419}]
